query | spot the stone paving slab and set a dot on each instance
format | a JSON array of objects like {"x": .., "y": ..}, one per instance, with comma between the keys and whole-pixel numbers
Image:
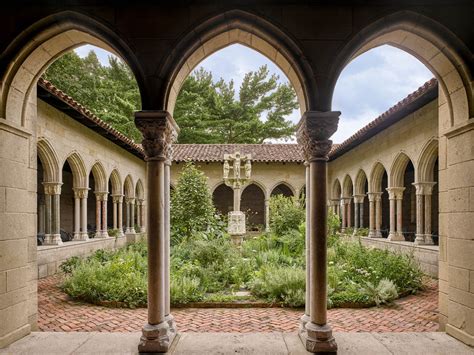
[
  {"x": 56, "y": 312},
  {"x": 53, "y": 343}
]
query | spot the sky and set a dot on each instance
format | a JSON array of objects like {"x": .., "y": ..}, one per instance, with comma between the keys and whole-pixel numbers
[{"x": 367, "y": 87}]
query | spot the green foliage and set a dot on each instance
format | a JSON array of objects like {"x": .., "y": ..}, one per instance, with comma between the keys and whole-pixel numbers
[
  {"x": 384, "y": 292},
  {"x": 209, "y": 111},
  {"x": 110, "y": 92},
  {"x": 286, "y": 213},
  {"x": 192, "y": 210}
]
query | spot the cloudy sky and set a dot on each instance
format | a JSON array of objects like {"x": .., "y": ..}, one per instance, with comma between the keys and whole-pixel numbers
[{"x": 367, "y": 87}]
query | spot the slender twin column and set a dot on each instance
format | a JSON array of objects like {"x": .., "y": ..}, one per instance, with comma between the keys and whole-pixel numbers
[
  {"x": 159, "y": 132},
  {"x": 267, "y": 215},
  {"x": 313, "y": 132},
  {"x": 424, "y": 192},
  {"x": 335, "y": 205},
  {"x": 117, "y": 211},
  {"x": 140, "y": 221},
  {"x": 52, "y": 192},
  {"x": 307, "y": 313},
  {"x": 375, "y": 214},
  {"x": 130, "y": 204},
  {"x": 358, "y": 211},
  {"x": 101, "y": 214},
  {"x": 346, "y": 213},
  {"x": 80, "y": 213},
  {"x": 395, "y": 195}
]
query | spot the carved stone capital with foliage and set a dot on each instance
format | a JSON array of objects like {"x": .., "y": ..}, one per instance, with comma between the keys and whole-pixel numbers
[
  {"x": 52, "y": 188},
  {"x": 313, "y": 133},
  {"x": 159, "y": 131}
]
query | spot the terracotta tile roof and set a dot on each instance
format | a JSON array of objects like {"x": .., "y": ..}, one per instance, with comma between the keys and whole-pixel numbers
[
  {"x": 417, "y": 99},
  {"x": 65, "y": 103},
  {"x": 260, "y": 152}
]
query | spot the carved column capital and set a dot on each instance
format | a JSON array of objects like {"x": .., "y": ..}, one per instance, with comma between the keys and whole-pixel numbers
[
  {"x": 159, "y": 132},
  {"x": 374, "y": 196},
  {"x": 424, "y": 188},
  {"x": 101, "y": 195},
  {"x": 52, "y": 188},
  {"x": 395, "y": 193},
  {"x": 81, "y": 192},
  {"x": 359, "y": 198},
  {"x": 313, "y": 132},
  {"x": 130, "y": 200},
  {"x": 117, "y": 198}
]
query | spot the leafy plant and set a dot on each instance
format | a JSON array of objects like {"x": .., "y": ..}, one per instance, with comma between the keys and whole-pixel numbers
[{"x": 286, "y": 213}]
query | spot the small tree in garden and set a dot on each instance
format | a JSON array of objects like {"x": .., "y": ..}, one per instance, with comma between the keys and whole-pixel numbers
[
  {"x": 286, "y": 213},
  {"x": 192, "y": 210}
]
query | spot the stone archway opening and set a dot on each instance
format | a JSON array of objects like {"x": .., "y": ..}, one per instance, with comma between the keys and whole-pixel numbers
[
  {"x": 282, "y": 189},
  {"x": 253, "y": 205},
  {"x": 223, "y": 199}
]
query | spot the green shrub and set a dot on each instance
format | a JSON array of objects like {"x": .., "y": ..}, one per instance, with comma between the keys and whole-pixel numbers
[
  {"x": 184, "y": 289},
  {"x": 280, "y": 284},
  {"x": 192, "y": 210},
  {"x": 384, "y": 292},
  {"x": 286, "y": 213}
]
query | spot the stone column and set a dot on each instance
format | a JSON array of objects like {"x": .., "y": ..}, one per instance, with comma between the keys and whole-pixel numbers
[
  {"x": 356, "y": 214},
  {"x": 98, "y": 211},
  {"x": 378, "y": 214},
  {"x": 393, "y": 232},
  {"x": 313, "y": 132},
  {"x": 343, "y": 215},
  {"x": 307, "y": 314},
  {"x": 400, "y": 236},
  {"x": 159, "y": 130},
  {"x": 372, "y": 212},
  {"x": 132, "y": 216},
  {"x": 52, "y": 191},
  {"x": 267, "y": 215},
  {"x": 47, "y": 217},
  {"x": 349, "y": 213},
  {"x": 104, "y": 232},
  {"x": 359, "y": 210},
  {"x": 237, "y": 195},
  {"x": 41, "y": 214},
  {"x": 77, "y": 213},
  {"x": 127, "y": 220},
  {"x": 114, "y": 211},
  {"x": 428, "y": 196},
  {"x": 83, "y": 196},
  {"x": 120, "y": 214},
  {"x": 361, "y": 213},
  {"x": 420, "y": 235}
]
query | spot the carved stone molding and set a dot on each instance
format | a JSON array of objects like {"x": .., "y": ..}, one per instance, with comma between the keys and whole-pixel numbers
[
  {"x": 424, "y": 188},
  {"x": 81, "y": 192},
  {"x": 395, "y": 192},
  {"x": 159, "y": 132},
  {"x": 52, "y": 188},
  {"x": 313, "y": 133},
  {"x": 101, "y": 195},
  {"x": 374, "y": 196},
  {"x": 130, "y": 200},
  {"x": 117, "y": 198}
]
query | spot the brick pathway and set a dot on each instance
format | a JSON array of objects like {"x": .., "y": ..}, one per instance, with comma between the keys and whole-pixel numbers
[{"x": 57, "y": 313}]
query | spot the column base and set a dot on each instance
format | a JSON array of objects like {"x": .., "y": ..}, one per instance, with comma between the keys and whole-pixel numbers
[
  {"x": 371, "y": 234},
  {"x": 305, "y": 319},
  {"x": 80, "y": 236},
  {"x": 53, "y": 239},
  {"x": 378, "y": 234},
  {"x": 396, "y": 237},
  {"x": 318, "y": 339},
  {"x": 171, "y": 323},
  {"x": 419, "y": 239},
  {"x": 156, "y": 338},
  {"x": 237, "y": 239},
  {"x": 429, "y": 239}
]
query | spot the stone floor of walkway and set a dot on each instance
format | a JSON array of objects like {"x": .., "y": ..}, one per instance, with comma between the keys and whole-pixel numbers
[{"x": 57, "y": 313}]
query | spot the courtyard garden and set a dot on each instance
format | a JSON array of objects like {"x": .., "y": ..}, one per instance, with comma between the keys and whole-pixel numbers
[{"x": 207, "y": 267}]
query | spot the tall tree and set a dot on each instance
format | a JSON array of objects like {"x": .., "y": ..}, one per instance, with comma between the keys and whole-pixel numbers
[{"x": 211, "y": 112}]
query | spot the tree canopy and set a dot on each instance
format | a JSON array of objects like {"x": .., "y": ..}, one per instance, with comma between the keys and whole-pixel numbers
[{"x": 207, "y": 111}]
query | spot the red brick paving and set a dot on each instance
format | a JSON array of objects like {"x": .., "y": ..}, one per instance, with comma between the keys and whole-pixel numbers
[{"x": 416, "y": 313}]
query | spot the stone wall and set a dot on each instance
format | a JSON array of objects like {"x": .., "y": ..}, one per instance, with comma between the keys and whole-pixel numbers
[{"x": 426, "y": 255}]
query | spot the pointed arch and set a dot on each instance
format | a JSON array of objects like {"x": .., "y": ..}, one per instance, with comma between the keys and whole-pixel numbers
[
  {"x": 237, "y": 26},
  {"x": 79, "y": 174},
  {"x": 260, "y": 185},
  {"x": 116, "y": 182},
  {"x": 360, "y": 181},
  {"x": 336, "y": 190},
  {"x": 49, "y": 160},
  {"x": 100, "y": 177},
  {"x": 397, "y": 170},
  {"x": 376, "y": 176},
  {"x": 44, "y": 42},
  {"x": 253, "y": 205},
  {"x": 347, "y": 186},
  {"x": 128, "y": 189},
  {"x": 283, "y": 188},
  {"x": 427, "y": 161},
  {"x": 139, "y": 190},
  {"x": 448, "y": 58}
]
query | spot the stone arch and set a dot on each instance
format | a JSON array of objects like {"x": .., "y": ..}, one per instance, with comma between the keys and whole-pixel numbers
[
  {"x": 28, "y": 56},
  {"x": 262, "y": 186},
  {"x": 376, "y": 175},
  {"x": 283, "y": 188},
  {"x": 427, "y": 161},
  {"x": 347, "y": 186},
  {"x": 237, "y": 26},
  {"x": 360, "y": 182},
  {"x": 253, "y": 205},
  {"x": 432, "y": 44},
  {"x": 336, "y": 189},
  {"x": 139, "y": 190},
  {"x": 79, "y": 174},
  {"x": 116, "y": 182},
  {"x": 100, "y": 177},
  {"x": 397, "y": 170},
  {"x": 128, "y": 187},
  {"x": 223, "y": 198},
  {"x": 49, "y": 160}
]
